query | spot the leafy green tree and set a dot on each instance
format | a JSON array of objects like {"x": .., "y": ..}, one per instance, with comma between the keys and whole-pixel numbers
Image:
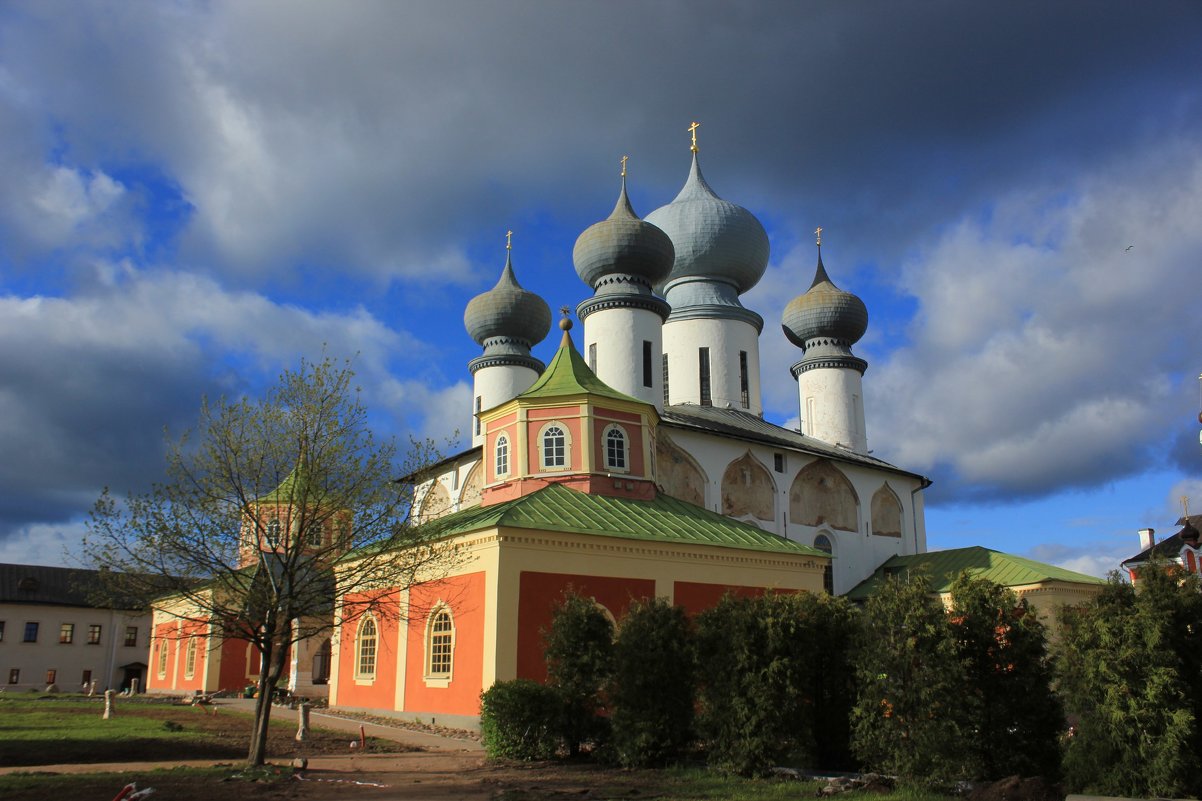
[
  {"x": 652, "y": 687},
  {"x": 579, "y": 653},
  {"x": 260, "y": 504},
  {"x": 910, "y": 717},
  {"x": 1015, "y": 718},
  {"x": 776, "y": 683},
  {"x": 518, "y": 720},
  {"x": 1129, "y": 671}
]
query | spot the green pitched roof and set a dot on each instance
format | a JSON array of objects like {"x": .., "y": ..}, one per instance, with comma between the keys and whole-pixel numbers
[
  {"x": 943, "y": 566},
  {"x": 299, "y": 484},
  {"x": 569, "y": 374},
  {"x": 663, "y": 520}
]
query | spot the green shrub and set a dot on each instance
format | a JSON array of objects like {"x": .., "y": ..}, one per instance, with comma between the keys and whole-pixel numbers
[
  {"x": 775, "y": 683},
  {"x": 1016, "y": 719},
  {"x": 652, "y": 685},
  {"x": 910, "y": 718},
  {"x": 519, "y": 720},
  {"x": 1129, "y": 667},
  {"x": 579, "y": 648}
]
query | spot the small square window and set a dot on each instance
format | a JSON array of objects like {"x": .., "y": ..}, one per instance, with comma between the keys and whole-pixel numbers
[
  {"x": 131, "y": 636},
  {"x": 14, "y": 676},
  {"x": 94, "y": 634},
  {"x": 66, "y": 634},
  {"x": 51, "y": 675},
  {"x": 31, "y": 634},
  {"x": 778, "y": 462}
]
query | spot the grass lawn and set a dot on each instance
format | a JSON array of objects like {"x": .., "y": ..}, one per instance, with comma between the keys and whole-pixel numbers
[{"x": 63, "y": 730}]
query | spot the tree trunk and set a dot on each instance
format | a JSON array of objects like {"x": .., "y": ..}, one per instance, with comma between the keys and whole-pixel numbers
[
  {"x": 257, "y": 754},
  {"x": 270, "y": 670}
]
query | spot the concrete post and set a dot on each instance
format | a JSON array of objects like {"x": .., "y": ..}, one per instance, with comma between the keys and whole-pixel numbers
[
  {"x": 109, "y": 696},
  {"x": 302, "y": 731},
  {"x": 133, "y": 686}
]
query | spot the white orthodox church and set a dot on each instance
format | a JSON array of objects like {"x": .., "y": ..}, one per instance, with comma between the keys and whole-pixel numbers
[{"x": 664, "y": 325}]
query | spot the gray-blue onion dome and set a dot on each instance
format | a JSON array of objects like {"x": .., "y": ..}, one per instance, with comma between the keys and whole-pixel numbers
[
  {"x": 508, "y": 311},
  {"x": 622, "y": 244},
  {"x": 713, "y": 237},
  {"x": 824, "y": 312}
]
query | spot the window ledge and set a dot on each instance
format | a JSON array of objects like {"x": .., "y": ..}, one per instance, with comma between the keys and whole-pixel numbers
[{"x": 441, "y": 682}]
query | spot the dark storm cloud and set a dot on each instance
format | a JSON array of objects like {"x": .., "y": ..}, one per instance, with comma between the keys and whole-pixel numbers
[{"x": 382, "y": 137}]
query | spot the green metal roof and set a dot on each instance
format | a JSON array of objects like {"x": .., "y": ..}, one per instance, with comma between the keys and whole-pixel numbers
[
  {"x": 569, "y": 374},
  {"x": 298, "y": 485},
  {"x": 663, "y": 520},
  {"x": 944, "y": 566}
]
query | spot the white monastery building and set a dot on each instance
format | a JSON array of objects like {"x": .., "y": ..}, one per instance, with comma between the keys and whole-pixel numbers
[{"x": 664, "y": 325}]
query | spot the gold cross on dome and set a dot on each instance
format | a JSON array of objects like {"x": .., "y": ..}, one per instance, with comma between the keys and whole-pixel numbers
[
  {"x": 565, "y": 311},
  {"x": 509, "y": 240},
  {"x": 818, "y": 233},
  {"x": 693, "y": 130},
  {"x": 624, "y": 160}
]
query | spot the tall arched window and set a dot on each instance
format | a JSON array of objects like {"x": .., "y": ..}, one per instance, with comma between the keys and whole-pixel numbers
[
  {"x": 554, "y": 447},
  {"x": 502, "y": 454},
  {"x": 823, "y": 543},
  {"x": 440, "y": 644},
  {"x": 162, "y": 658},
  {"x": 615, "y": 448},
  {"x": 365, "y": 649},
  {"x": 273, "y": 533},
  {"x": 190, "y": 658}
]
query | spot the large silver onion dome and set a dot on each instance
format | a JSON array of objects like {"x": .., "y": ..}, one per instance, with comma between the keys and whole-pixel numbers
[
  {"x": 825, "y": 312},
  {"x": 713, "y": 238},
  {"x": 507, "y": 311},
  {"x": 623, "y": 244}
]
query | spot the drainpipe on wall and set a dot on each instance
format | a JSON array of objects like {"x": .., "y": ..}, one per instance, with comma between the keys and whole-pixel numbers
[{"x": 926, "y": 482}]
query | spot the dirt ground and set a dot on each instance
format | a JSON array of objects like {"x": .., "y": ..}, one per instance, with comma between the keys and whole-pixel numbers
[{"x": 427, "y": 775}]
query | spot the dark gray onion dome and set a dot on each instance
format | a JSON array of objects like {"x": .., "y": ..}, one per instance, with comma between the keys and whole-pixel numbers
[
  {"x": 507, "y": 311},
  {"x": 622, "y": 244},
  {"x": 713, "y": 237},
  {"x": 825, "y": 312}
]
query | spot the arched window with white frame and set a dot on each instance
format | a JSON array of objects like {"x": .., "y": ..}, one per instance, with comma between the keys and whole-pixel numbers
[
  {"x": 501, "y": 452},
  {"x": 440, "y": 646},
  {"x": 616, "y": 447},
  {"x": 366, "y": 642},
  {"x": 273, "y": 533},
  {"x": 555, "y": 446},
  {"x": 190, "y": 658},
  {"x": 163, "y": 658}
]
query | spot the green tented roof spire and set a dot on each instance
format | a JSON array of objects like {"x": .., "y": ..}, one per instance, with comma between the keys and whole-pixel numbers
[{"x": 569, "y": 374}]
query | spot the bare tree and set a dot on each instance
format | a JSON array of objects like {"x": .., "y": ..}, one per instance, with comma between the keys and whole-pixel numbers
[{"x": 268, "y": 505}]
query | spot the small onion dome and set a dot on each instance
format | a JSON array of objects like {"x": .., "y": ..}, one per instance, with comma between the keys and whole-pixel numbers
[
  {"x": 622, "y": 244},
  {"x": 713, "y": 237},
  {"x": 824, "y": 312},
  {"x": 507, "y": 311}
]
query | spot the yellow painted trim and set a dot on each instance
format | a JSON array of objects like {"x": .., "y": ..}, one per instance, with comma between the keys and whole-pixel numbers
[
  {"x": 402, "y": 650},
  {"x": 335, "y": 653}
]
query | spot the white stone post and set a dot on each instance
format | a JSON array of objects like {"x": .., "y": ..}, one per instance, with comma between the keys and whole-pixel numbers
[
  {"x": 302, "y": 716},
  {"x": 109, "y": 699}
]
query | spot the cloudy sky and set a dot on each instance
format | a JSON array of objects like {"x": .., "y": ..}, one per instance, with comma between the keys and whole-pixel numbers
[{"x": 194, "y": 195}]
